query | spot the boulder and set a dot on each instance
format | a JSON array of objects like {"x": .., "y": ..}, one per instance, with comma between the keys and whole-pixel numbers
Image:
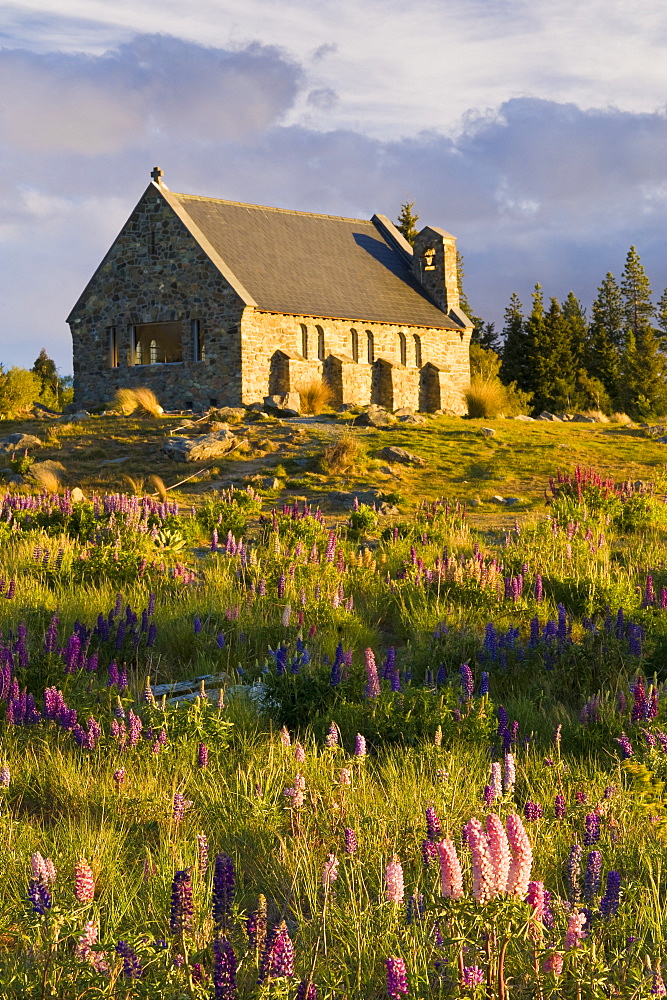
[
  {"x": 57, "y": 468},
  {"x": 374, "y": 416},
  {"x": 228, "y": 413},
  {"x": 545, "y": 415},
  {"x": 77, "y": 495},
  {"x": 19, "y": 442},
  {"x": 202, "y": 448},
  {"x": 115, "y": 461},
  {"x": 488, "y": 432},
  {"x": 346, "y": 500},
  {"x": 411, "y": 419},
  {"x": 497, "y": 499},
  {"x": 393, "y": 454},
  {"x": 79, "y": 415},
  {"x": 287, "y": 405},
  {"x": 523, "y": 416},
  {"x": 581, "y": 418}
]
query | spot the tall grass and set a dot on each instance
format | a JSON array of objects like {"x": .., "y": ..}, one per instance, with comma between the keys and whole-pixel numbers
[{"x": 315, "y": 396}]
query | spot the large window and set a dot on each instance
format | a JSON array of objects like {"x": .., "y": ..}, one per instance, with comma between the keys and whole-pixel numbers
[
  {"x": 113, "y": 348},
  {"x": 304, "y": 340},
  {"x": 157, "y": 344},
  {"x": 418, "y": 351},
  {"x": 198, "y": 346},
  {"x": 320, "y": 343},
  {"x": 403, "y": 349},
  {"x": 354, "y": 337},
  {"x": 370, "y": 347}
]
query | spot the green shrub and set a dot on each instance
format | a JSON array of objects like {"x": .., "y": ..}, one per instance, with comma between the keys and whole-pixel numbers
[{"x": 19, "y": 389}]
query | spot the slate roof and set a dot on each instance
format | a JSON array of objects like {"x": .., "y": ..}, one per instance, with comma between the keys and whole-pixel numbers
[{"x": 314, "y": 265}]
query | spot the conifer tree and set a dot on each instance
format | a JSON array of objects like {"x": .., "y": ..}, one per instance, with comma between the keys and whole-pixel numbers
[
  {"x": 477, "y": 321},
  {"x": 575, "y": 317},
  {"x": 644, "y": 381},
  {"x": 534, "y": 343},
  {"x": 604, "y": 341},
  {"x": 554, "y": 364},
  {"x": 661, "y": 316},
  {"x": 407, "y": 222},
  {"x": 513, "y": 368},
  {"x": 485, "y": 335}
]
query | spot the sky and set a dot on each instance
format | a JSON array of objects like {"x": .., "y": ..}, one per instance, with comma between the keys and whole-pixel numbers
[{"x": 534, "y": 130}]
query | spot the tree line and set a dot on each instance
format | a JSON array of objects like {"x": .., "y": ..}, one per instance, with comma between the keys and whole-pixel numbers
[{"x": 614, "y": 359}]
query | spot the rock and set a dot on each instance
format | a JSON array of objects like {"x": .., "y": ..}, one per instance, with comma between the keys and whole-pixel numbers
[
  {"x": 374, "y": 416},
  {"x": 16, "y": 479},
  {"x": 545, "y": 415},
  {"x": 404, "y": 411},
  {"x": 255, "y": 407},
  {"x": 488, "y": 432},
  {"x": 475, "y": 502},
  {"x": 346, "y": 500},
  {"x": 228, "y": 413},
  {"x": 56, "y": 468},
  {"x": 522, "y": 416},
  {"x": 267, "y": 482},
  {"x": 394, "y": 454},
  {"x": 565, "y": 416},
  {"x": 581, "y": 418},
  {"x": 202, "y": 448},
  {"x": 115, "y": 461},
  {"x": 79, "y": 415},
  {"x": 662, "y": 440},
  {"x": 497, "y": 499},
  {"x": 510, "y": 501},
  {"x": 412, "y": 419},
  {"x": 387, "y": 470},
  {"x": 77, "y": 495},
  {"x": 287, "y": 405},
  {"x": 19, "y": 442}
]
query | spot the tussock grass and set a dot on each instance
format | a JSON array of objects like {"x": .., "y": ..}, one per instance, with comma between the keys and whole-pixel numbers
[
  {"x": 315, "y": 396},
  {"x": 485, "y": 399},
  {"x": 342, "y": 456},
  {"x": 141, "y": 399}
]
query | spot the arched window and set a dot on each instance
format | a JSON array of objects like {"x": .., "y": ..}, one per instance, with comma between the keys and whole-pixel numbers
[
  {"x": 354, "y": 336},
  {"x": 403, "y": 349},
  {"x": 320, "y": 343},
  {"x": 418, "y": 351},
  {"x": 152, "y": 350},
  {"x": 304, "y": 340},
  {"x": 370, "y": 347}
]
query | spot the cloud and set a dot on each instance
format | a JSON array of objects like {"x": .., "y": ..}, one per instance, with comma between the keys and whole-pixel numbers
[{"x": 534, "y": 189}]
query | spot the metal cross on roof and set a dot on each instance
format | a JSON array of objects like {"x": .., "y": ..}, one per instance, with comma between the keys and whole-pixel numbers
[{"x": 156, "y": 174}]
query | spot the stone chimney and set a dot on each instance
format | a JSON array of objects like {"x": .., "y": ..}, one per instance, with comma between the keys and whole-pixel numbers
[{"x": 434, "y": 266}]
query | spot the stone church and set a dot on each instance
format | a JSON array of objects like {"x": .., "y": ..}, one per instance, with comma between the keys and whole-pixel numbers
[{"x": 217, "y": 303}]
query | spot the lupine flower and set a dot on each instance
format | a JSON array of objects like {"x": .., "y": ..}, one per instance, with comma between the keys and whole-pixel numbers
[
  {"x": 278, "y": 957},
  {"x": 499, "y": 852},
  {"x": 202, "y": 755},
  {"x": 4, "y": 776},
  {"x": 496, "y": 780},
  {"x": 533, "y": 811},
  {"x": 299, "y": 754},
  {"x": 522, "y": 857},
  {"x": 559, "y": 806},
  {"x": 224, "y": 970},
  {"x": 119, "y": 776},
  {"x": 451, "y": 877},
  {"x": 625, "y": 745},
  {"x": 553, "y": 963},
  {"x": 592, "y": 834},
  {"x": 610, "y": 901},
  {"x": 437, "y": 739},
  {"x": 432, "y": 823},
  {"x": 535, "y": 897},
  {"x": 306, "y": 991},
  {"x": 181, "y": 902},
  {"x": 658, "y": 988},
  {"x": 131, "y": 965},
  {"x": 467, "y": 681},
  {"x": 256, "y": 925},
  {"x": 509, "y": 775},
  {"x": 575, "y": 930},
  {"x": 345, "y": 776},
  {"x": 180, "y": 805},
  {"x": 360, "y": 746},
  {"x": 330, "y": 871},
  {"x": 593, "y": 875},
  {"x": 350, "y": 841},
  {"x": 223, "y": 890},
  {"x": 39, "y": 896},
  {"x": 285, "y": 737},
  {"x": 287, "y": 612},
  {"x": 397, "y": 981},
  {"x": 372, "y": 679},
  {"x": 394, "y": 880},
  {"x": 473, "y": 975},
  {"x": 42, "y": 869},
  {"x": 83, "y": 950},
  {"x": 84, "y": 887},
  {"x": 332, "y": 736},
  {"x": 483, "y": 875},
  {"x": 573, "y": 873}
]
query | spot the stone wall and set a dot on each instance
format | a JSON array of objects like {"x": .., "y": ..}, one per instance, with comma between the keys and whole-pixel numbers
[{"x": 156, "y": 272}]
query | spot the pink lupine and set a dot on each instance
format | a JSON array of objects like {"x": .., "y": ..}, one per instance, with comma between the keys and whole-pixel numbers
[
  {"x": 285, "y": 737},
  {"x": 83, "y": 950},
  {"x": 330, "y": 871},
  {"x": 42, "y": 869},
  {"x": 345, "y": 776},
  {"x": 299, "y": 754},
  {"x": 522, "y": 857},
  {"x": 509, "y": 776},
  {"x": 499, "y": 852},
  {"x": 84, "y": 884},
  {"x": 496, "y": 780},
  {"x": 394, "y": 880},
  {"x": 535, "y": 897},
  {"x": 451, "y": 878},
  {"x": 483, "y": 876},
  {"x": 553, "y": 963},
  {"x": 575, "y": 930}
]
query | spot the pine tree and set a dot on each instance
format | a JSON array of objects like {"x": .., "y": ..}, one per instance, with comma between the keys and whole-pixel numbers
[
  {"x": 45, "y": 369},
  {"x": 554, "y": 364},
  {"x": 513, "y": 368},
  {"x": 485, "y": 335},
  {"x": 644, "y": 372},
  {"x": 661, "y": 315},
  {"x": 534, "y": 344},
  {"x": 575, "y": 317},
  {"x": 407, "y": 222},
  {"x": 604, "y": 341},
  {"x": 477, "y": 321}
]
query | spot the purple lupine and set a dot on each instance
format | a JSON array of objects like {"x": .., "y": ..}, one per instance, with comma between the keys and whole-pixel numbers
[
  {"x": 202, "y": 755},
  {"x": 625, "y": 745},
  {"x": 397, "y": 981},
  {"x": 350, "y": 841},
  {"x": 639, "y": 695},
  {"x": 610, "y": 900},
  {"x": 131, "y": 965},
  {"x": 202, "y": 854},
  {"x": 4, "y": 776},
  {"x": 181, "y": 902},
  {"x": 467, "y": 681},
  {"x": 278, "y": 956},
  {"x": 223, "y": 890},
  {"x": 152, "y": 635},
  {"x": 256, "y": 925},
  {"x": 51, "y": 638},
  {"x": 197, "y": 625},
  {"x": 559, "y": 806},
  {"x": 306, "y": 990},
  {"x": 39, "y": 896},
  {"x": 592, "y": 875},
  {"x": 429, "y": 853},
  {"x": 372, "y": 679},
  {"x": 432, "y": 824},
  {"x": 360, "y": 746},
  {"x": 533, "y": 810},
  {"x": 539, "y": 588},
  {"x": 282, "y": 581},
  {"x": 573, "y": 873},
  {"x": 592, "y": 834},
  {"x": 473, "y": 975},
  {"x": 484, "y": 684},
  {"x": 224, "y": 970}
]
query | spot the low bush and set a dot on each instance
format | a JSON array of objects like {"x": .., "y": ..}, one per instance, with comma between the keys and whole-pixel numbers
[{"x": 19, "y": 389}]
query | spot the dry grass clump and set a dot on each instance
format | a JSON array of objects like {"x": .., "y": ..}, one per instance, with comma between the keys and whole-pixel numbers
[
  {"x": 485, "y": 398},
  {"x": 620, "y": 418},
  {"x": 342, "y": 455},
  {"x": 597, "y": 415},
  {"x": 314, "y": 395},
  {"x": 130, "y": 400},
  {"x": 135, "y": 484},
  {"x": 157, "y": 482}
]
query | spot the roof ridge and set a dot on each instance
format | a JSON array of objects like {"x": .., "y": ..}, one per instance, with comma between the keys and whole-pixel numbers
[{"x": 269, "y": 208}]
